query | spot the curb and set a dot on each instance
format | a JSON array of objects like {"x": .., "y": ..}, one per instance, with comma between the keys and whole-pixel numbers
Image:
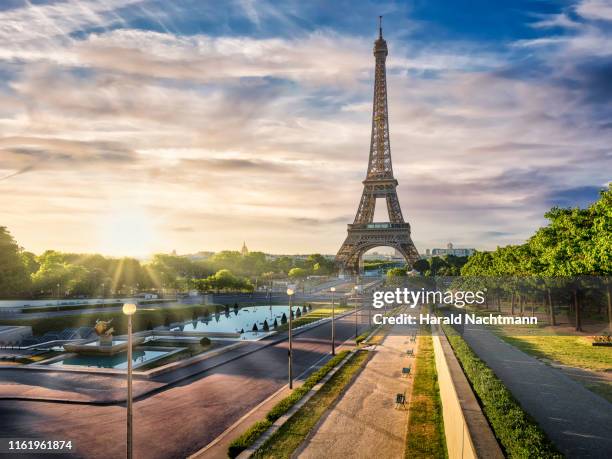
[{"x": 247, "y": 453}]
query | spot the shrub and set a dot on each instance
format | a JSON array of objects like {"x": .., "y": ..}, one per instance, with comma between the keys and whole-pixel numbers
[
  {"x": 275, "y": 323},
  {"x": 518, "y": 433},
  {"x": 205, "y": 341},
  {"x": 255, "y": 328},
  {"x": 266, "y": 327},
  {"x": 247, "y": 438},
  {"x": 284, "y": 319}
]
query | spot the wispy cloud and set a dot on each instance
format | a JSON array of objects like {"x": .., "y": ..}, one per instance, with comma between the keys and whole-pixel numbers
[{"x": 221, "y": 137}]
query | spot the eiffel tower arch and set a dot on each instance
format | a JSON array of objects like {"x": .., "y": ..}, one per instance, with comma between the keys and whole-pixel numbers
[{"x": 365, "y": 234}]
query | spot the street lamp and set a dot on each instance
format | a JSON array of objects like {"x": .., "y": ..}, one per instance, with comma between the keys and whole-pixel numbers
[
  {"x": 290, "y": 293},
  {"x": 333, "y": 338},
  {"x": 129, "y": 309},
  {"x": 356, "y": 324}
]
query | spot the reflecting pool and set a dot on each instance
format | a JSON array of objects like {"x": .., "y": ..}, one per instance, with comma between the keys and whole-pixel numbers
[{"x": 240, "y": 320}]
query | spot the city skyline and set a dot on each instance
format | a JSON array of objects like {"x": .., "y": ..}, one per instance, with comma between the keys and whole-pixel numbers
[{"x": 129, "y": 128}]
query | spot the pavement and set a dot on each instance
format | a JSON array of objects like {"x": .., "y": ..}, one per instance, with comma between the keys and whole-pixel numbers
[
  {"x": 183, "y": 417},
  {"x": 363, "y": 422},
  {"x": 575, "y": 419}
]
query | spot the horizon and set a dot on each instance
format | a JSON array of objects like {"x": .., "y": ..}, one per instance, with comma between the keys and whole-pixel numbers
[{"x": 117, "y": 136}]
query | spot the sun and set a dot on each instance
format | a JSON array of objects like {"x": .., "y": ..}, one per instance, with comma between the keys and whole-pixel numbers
[{"x": 127, "y": 232}]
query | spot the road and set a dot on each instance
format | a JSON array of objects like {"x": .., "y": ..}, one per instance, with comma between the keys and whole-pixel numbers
[{"x": 182, "y": 419}]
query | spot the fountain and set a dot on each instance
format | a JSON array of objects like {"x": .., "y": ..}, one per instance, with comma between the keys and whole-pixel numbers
[{"x": 105, "y": 344}]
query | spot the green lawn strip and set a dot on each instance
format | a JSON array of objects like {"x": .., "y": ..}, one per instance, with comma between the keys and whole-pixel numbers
[
  {"x": 518, "y": 433},
  {"x": 254, "y": 432},
  {"x": 600, "y": 388},
  {"x": 574, "y": 351},
  {"x": 425, "y": 432},
  {"x": 291, "y": 434}
]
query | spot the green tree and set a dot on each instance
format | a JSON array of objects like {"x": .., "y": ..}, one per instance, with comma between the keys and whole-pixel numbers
[
  {"x": 14, "y": 278},
  {"x": 297, "y": 273},
  {"x": 396, "y": 272},
  {"x": 421, "y": 265}
]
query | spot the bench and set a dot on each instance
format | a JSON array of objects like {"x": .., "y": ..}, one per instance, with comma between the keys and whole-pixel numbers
[
  {"x": 400, "y": 400},
  {"x": 406, "y": 372}
]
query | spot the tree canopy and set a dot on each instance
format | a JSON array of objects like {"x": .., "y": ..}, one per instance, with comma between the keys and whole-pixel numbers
[{"x": 575, "y": 242}]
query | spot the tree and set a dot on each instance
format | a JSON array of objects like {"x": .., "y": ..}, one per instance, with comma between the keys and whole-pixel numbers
[
  {"x": 396, "y": 272},
  {"x": 319, "y": 265},
  {"x": 297, "y": 273},
  {"x": 421, "y": 265},
  {"x": 14, "y": 278}
]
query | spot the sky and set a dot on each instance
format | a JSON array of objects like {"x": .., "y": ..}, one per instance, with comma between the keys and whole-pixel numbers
[{"x": 129, "y": 127}]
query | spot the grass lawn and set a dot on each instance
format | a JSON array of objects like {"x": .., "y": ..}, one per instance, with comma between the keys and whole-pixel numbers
[
  {"x": 425, "y": 433},
  {"x": 602, "y": 389},
  {"x": 575, "y": 351},
  {"x": 287, "y": 439}
]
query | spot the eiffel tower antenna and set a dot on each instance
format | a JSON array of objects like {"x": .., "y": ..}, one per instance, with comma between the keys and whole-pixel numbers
[{"x": 365, "y": 234}]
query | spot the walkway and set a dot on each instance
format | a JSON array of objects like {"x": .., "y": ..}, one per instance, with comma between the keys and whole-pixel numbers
[
  {"x": 578, "y": 421},
  {"x": 363, "y": 422}
]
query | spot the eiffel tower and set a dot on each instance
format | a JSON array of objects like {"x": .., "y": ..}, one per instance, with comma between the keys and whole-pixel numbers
[{"x": 365, "y": 234}]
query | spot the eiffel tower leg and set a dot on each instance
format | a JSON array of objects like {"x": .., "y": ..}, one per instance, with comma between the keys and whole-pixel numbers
[
  {"x": 348, "y": 256},
  {"x": 409, "y": 251},
  {"x": 395, "y": 211},
  {"x": 365, "y": 212}
]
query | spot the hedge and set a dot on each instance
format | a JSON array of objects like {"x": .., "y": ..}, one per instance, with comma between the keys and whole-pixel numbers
[
  {"x": 518, "y": 433},
  {"x": 256, "y": 430}
]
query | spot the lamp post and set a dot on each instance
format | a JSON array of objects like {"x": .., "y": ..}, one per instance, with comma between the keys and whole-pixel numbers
[
  {"x": 129, "y": 309},
  {"x": 290, "y": 293},
  {"x": 356, "y": 324},
  {"x": 333, "y": 337}
]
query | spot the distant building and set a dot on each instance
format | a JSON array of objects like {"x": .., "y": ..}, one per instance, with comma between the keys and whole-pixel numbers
[
  {"x": 450, "y": 250},
  {"x": 244, "y": 251}
]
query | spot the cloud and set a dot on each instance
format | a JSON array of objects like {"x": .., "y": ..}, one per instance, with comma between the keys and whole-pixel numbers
[
  {"x": 595, "y": 9},
  {"x": 265, "y": 137}
]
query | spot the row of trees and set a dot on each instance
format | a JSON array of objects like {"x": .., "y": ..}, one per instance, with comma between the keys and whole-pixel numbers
[
  {"x": 560, "y": 260},
  {"x": 59, "y": 274},
  {"x": 576, "y": 242},
  {"x": 448, "y": 265}
]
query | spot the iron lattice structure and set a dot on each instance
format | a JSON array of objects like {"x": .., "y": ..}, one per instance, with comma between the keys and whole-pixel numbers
[{"x": 364, "y": 234}]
